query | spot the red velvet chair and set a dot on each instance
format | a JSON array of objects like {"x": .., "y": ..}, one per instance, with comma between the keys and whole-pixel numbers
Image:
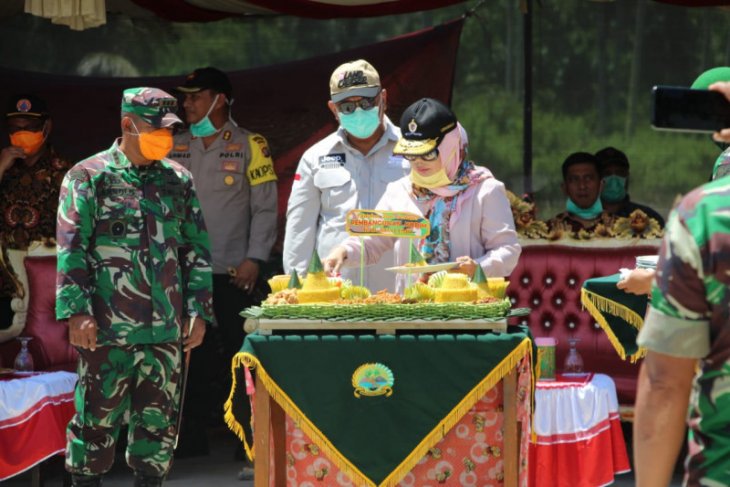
[
  {"x": 50, "y": 347},
  {"x": 548, "y": 279}
]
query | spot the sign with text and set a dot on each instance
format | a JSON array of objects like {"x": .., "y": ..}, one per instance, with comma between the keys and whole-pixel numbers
[{"x": 398, "y": 224}]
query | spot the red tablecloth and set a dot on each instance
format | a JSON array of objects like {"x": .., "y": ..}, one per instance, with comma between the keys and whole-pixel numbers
[
  {"x": 34, "y": 412},
  {"x": 579, "y": 438}
]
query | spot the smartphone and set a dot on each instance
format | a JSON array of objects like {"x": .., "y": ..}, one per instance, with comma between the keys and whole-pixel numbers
[{"x": 687, "y": 110}]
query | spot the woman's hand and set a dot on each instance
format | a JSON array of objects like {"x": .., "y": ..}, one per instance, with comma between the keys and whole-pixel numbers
[
  {"x": 333, "y": 262},
  {"x": 467, "y": 265},
  {"x": 638, "y": 281}
]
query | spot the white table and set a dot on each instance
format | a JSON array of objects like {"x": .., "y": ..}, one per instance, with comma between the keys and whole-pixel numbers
[
  {"x": 34, "y": 412},
  {"x": 578, "y": 429}
]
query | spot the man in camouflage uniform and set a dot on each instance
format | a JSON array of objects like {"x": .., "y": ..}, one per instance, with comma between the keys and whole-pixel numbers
[
  {"x": 236, "y": 182},
  {"x": 30, "y": 176},
  {"x": 134, "y": 283},
  {"x": 687, "y": 334}
]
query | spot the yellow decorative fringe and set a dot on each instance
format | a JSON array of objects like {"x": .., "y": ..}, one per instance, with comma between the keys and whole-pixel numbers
[
  {"x": 230, "y": 420},
  {"x": 358, "y": 478},
  {"x": 597, "y": 304}
]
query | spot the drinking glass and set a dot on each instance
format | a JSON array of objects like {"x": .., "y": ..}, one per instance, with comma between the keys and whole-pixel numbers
[
  {"x": 24, "y": 360},
  {"x": 573, "y": 361}
]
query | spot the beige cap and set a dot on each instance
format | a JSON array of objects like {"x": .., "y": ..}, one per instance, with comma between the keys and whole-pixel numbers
[{"x": 356, "y": 78}]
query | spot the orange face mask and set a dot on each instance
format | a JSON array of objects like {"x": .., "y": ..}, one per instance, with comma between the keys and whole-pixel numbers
[
  {"x": 155, "y": 145},
  {"x": 29, "y": 141}
]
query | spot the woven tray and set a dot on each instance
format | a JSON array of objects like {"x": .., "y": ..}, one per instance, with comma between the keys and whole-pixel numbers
[{"x": 387, "y": 312}]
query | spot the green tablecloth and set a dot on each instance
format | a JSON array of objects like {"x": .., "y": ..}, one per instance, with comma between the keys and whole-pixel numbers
[
  {"x": 376, "y": 439},
  {"x": 619, "y": 313}
]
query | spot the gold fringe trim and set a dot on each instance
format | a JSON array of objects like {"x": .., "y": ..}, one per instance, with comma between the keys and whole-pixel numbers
[
  {"x": 507, "y": 364},
  {"x": 230, "y": 420},
  {"x": 290, "y": 408},
  {"x": 596, "y": 305},
  {"x": 452, "y": 419}
]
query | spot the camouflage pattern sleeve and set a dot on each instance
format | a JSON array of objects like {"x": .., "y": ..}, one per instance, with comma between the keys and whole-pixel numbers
[
  {"x": 678, "y": 320},
  {"x": 195, "y": 259},
  {"x": 74, "y": 230}
]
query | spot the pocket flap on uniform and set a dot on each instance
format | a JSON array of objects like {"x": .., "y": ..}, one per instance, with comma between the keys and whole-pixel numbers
[{"x": 331, "y": 178}]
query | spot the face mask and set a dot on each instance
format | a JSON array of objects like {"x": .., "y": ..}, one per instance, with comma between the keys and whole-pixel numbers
[
  {"x": 29, "y": 141},
  {"x": 614, "y": 188},
  {"x": 361, "y": 123},
  {"x": 154, "y": 145},
  {"x": 204, "y": 127},
  {"x": 435, "y": 180},
  {"x": 585, "y": 213}
]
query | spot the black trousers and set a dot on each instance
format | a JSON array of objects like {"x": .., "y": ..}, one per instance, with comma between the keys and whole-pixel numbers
[{"x": 209, "y": 376}]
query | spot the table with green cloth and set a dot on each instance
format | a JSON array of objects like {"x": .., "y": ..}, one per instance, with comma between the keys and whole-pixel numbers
[
  {"x": 619, "y": 313},
  {"x": 376, "y": 406}
]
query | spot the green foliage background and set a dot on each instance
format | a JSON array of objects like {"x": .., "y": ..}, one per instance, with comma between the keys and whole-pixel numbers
[{"x": 594, "y": 66}]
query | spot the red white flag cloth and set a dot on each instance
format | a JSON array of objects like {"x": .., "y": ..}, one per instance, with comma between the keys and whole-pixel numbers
[
  {"x": 578, "y": 429},
  {"x": 34, "y": 412}
]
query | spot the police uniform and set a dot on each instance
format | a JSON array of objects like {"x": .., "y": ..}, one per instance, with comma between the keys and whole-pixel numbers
[
  {"x": 332, "y": 178},
  {"x": 236, "y": 183},
  {"x": 133, "y": 253}
]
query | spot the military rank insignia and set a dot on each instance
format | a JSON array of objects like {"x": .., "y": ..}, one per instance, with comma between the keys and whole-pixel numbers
[
  {"x": 227, "y": 135},
  {"x": 373, "y": 380}
]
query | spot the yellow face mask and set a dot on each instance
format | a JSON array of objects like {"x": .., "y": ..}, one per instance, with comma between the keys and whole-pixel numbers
[
  {"x": 27, "y": 140},
  {"x": 435, "y": 180}
]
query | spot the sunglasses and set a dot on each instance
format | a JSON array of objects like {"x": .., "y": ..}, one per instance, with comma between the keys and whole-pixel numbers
[
  {"x": 347, "y": 107},
  {"x": 430, "y": 156}
]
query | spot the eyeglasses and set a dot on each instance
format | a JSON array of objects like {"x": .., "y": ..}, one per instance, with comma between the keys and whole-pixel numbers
[
  {"x": 430, "y": 156},
  {"x": 347, "y": 107}
]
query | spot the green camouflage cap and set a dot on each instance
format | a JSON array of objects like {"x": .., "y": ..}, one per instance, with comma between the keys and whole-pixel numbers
[
  {"x": 154, "y": 106},
  {"x": 719, "y": 73}
]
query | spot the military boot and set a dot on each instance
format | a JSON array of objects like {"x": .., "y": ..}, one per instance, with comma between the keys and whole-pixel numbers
[
  {"x": 143, "y": 480},
  {"x": 85, "y": 480}
]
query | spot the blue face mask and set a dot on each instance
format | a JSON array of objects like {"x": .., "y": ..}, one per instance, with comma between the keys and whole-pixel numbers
[
  {"x": 585, "y": 213},
  {"x": 204, "y": 127},
  {"x": 614, "y": 188},
  {"x": 361, "y": 123}
]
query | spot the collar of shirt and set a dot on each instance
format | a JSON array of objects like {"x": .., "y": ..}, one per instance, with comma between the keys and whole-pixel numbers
[{"x": 228, "y": 126}]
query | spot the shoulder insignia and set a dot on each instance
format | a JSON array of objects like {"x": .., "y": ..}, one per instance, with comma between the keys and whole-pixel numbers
[
  {"x": 373, "y": 379},
  {"x": 227, "y": 135}
]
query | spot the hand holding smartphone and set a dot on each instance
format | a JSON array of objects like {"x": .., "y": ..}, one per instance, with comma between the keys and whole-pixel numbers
[{"x": 686, "y": 110}]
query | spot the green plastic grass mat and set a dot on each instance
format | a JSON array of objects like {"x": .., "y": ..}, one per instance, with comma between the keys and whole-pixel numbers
[{"x": 387, "y": 312}]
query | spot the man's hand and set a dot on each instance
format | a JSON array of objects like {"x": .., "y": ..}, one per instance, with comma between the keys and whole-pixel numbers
[
  {"x": 8, "y": 156},
  {"x": 724, "y": 88},
  {"x": 193, "y": 333},
  {"x": 82, "y": 331},
  {"x": 333, "y": 262},
  {"x": 638, "y": 281},
  {"x": 244, "y": 276}
]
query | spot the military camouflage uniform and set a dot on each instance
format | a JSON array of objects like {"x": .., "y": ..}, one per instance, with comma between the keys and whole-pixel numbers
[
  {"x": 133, "y": 252},
  {"x": 689, "y": 318}
]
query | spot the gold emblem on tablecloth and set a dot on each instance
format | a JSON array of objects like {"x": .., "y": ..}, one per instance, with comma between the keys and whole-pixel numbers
[{"x": 373, "y": 379}]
